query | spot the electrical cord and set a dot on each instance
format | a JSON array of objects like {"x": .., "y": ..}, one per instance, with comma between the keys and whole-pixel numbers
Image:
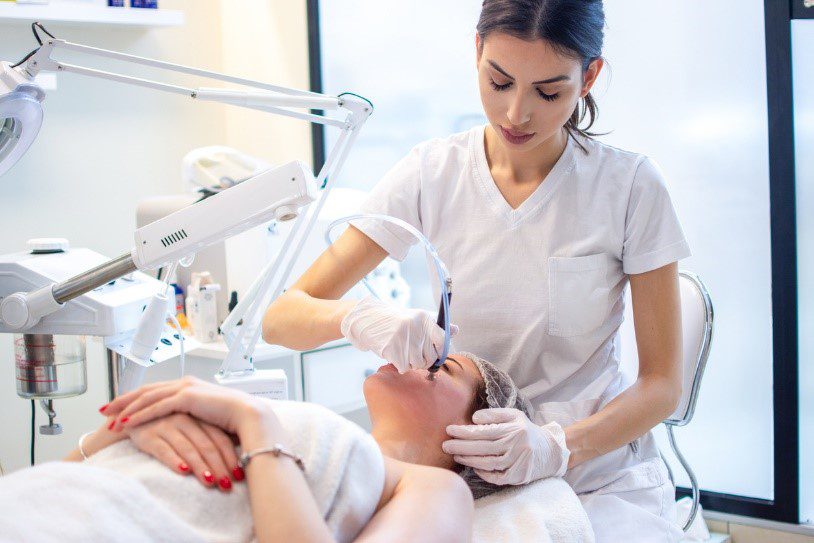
[
  {"x": 33, "y": 434},
  {"x": 34, "y": 27},
  {"x": 322, "y": 128},
  {"x": 25, "y": 58}
]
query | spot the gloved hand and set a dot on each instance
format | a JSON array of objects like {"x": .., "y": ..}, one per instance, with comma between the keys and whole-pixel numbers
[
  {"x": 506, "y": 448},
  {"x": 407, "y": 338}
]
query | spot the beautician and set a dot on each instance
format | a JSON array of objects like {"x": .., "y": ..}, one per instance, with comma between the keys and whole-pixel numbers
[{"x": 541, "y": 228}]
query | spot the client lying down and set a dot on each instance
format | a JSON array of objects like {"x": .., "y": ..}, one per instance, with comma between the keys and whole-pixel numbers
[{"x": 330, "y": 480}]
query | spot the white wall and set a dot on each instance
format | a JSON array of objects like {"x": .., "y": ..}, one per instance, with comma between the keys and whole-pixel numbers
[
  {"x": 267, "y": 40},
  {"x": 103, "y": 146}
]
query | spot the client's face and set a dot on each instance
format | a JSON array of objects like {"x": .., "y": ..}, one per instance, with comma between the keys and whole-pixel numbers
[{"x": 419, "y": 410}]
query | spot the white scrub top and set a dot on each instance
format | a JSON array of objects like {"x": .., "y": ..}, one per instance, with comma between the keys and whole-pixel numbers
[
  {"x": 536, "y": 290},
  {"x": 539, "y": 291}
]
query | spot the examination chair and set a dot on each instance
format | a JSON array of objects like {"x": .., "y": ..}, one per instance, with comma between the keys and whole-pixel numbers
[{"x": 696, "y": 322}]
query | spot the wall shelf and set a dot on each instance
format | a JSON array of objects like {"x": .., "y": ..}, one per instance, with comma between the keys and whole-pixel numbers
[{"x": 73, "y": 14}]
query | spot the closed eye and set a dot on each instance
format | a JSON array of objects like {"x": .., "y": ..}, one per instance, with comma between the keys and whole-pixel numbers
[
  {"x": 504, "y": 86},
  {"x": 500, "y": 87},
  {"x": 449, "y": 359},
  {"x": 548, "y": 97}
]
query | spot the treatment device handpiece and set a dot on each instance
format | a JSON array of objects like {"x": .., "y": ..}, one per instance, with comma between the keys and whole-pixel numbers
[{"x": 438, "y": 363}]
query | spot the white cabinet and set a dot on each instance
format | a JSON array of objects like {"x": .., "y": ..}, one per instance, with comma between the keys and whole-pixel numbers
[
  {"x": 331, "y": 375},
  {"x": 334, "y": 376}
]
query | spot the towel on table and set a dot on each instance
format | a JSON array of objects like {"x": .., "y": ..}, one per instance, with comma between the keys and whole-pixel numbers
[
  {"x": 121, "y": 494},
  {"x": 545, "y": 511}
]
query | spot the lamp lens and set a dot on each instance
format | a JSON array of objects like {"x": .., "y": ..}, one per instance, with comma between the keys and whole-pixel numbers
[{"x": 10, "y": 130}]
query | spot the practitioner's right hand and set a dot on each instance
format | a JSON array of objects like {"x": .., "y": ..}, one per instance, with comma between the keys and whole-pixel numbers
[
  {"x": 187, "y": 445},
  {"x": 407, "y": 338}
]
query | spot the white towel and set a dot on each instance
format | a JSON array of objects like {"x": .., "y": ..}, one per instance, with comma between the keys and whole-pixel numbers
[
  {"x": 121, "y": 494},
  {"x": 546, "y": 511}
]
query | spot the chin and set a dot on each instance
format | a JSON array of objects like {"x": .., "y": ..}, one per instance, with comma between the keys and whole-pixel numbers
[{"x": 376, "y": 393}]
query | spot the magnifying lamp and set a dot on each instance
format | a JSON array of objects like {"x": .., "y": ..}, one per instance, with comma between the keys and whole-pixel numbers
[
  {"x": 280, "y": 193},
  {"x": 20, "y": 115}
]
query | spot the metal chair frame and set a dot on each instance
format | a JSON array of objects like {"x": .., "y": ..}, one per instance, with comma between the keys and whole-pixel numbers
[{"x": 701, "y": 362}]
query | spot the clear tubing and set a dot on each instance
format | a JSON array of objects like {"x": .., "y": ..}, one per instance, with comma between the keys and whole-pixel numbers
[
  {"x": 182, "y": 361},
  {"x": 440, "y": 268},
  {"x": 170, "y": 273}
]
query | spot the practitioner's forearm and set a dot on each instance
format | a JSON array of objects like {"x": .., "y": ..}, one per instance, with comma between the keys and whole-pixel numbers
[
  {"x": 299, "y": 321},
  {"x": 311, "y": 311},
  {"x": 631, "y": 414}
]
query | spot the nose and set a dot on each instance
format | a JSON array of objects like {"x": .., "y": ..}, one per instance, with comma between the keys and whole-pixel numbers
[{"x": 519, "y": 112}]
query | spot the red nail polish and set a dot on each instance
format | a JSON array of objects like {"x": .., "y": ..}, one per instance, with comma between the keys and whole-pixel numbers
[
  {"x": 111, "y": 425},
  {"x": 238, "y": 473},
  {"x": 183, "y": 467},
  {"x": 225, "y": 483},
  {"x": 125, "y": 419},
  {"x": 208, "y": 477},
  {"x": 102, "y": 409}
]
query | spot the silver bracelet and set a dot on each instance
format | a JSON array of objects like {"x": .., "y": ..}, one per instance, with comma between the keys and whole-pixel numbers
[
  {"x": 81, "y": 441},
  {"x": 276, "y": 450}
]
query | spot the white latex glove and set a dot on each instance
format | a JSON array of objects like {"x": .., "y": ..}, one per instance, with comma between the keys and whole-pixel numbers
[
  {"x": 407, "y": 338},
  {"x": 506, "y": 448}
]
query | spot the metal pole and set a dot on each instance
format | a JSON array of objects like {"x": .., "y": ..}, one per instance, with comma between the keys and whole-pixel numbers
[
  {"x": 114, "y": 361},
  {"x": 86, "y": 281}
]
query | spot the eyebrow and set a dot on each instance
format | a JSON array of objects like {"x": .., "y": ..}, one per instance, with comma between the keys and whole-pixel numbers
[{"x": 549, "y": 80}]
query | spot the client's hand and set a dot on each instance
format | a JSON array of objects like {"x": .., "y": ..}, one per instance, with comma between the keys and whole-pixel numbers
[
  {"x": 183, "y": 443},
  {"x": 231, "y": 410}
]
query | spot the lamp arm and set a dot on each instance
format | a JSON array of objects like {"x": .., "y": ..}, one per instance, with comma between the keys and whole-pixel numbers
[
  {"x": 272, "y": 98},
  {"x": 242, "y": 340}
]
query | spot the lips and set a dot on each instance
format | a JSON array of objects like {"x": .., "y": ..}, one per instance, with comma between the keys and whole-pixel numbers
[{"x": 515, "y": 137}]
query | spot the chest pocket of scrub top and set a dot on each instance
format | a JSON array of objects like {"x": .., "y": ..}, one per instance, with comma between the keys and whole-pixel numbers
[{"x": 578, "y": 294}]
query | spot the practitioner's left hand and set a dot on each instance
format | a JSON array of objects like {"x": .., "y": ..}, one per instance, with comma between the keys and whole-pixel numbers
[
  {"x": 231, "y": 410},
  {"x": 506, "y": 448}
]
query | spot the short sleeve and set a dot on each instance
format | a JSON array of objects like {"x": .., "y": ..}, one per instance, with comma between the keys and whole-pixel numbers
[
  {"x": 653, "y": 234},
  {"x": 397, "y": 195}
]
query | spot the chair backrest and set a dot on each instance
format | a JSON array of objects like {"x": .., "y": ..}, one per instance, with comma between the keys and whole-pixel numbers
[{"x": 697, "y": 323}]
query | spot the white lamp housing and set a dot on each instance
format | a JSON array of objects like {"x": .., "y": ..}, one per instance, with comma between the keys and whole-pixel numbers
[
  {"x": 278, "y": 193},
  {"x": 20, "y": 115}
]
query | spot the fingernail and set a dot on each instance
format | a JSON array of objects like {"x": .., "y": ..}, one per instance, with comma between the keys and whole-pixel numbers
[
  {"x": 183, "y": 467},
  {"x": 225, "y": 483},
  {"x": 102, "y": 409},
  {"x": 238, "y": 473},
  {"x": 111, "y": 425},
  {"x": 208, "y": 477},
  {"x": 125, "y": 419}
]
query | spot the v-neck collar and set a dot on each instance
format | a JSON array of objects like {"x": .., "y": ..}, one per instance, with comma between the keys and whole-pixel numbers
[{"x": 538, "y": 198}]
